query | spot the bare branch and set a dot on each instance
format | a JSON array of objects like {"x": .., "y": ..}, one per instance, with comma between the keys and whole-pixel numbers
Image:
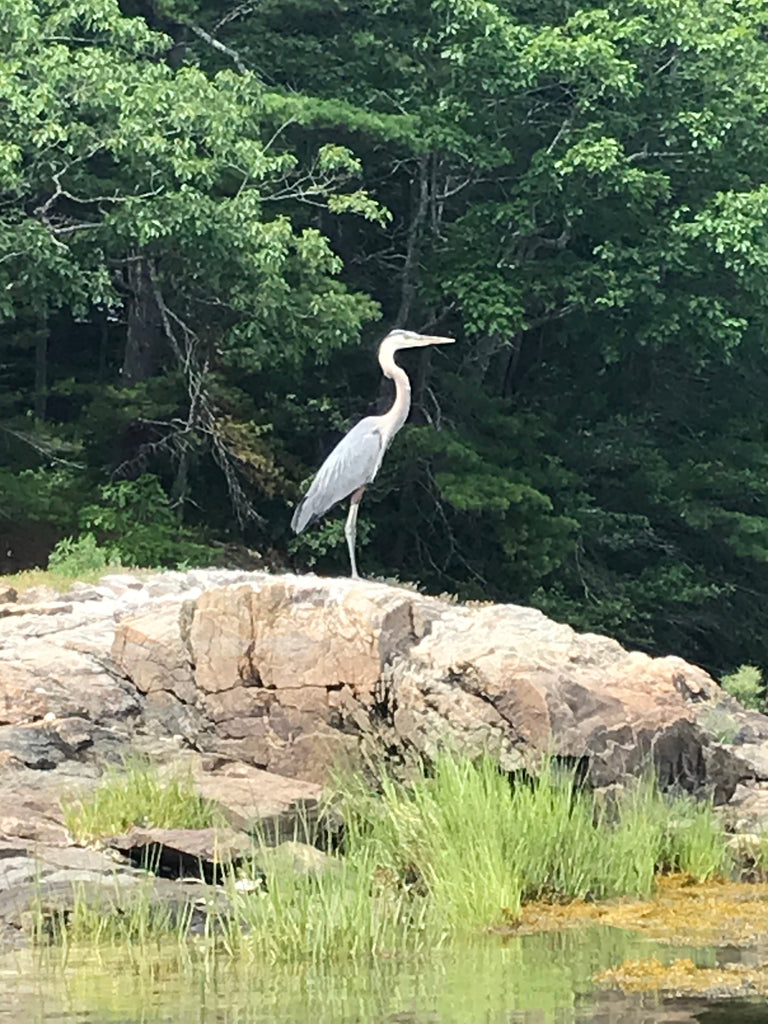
[
  {"x": 450, "y": 191},
  {"x": 201, "y": 415},
  {"x": 669, "y": 62},
  {"x": 218, "y": 45},
  {"x": 70, "y": 229},
  {"x": 659, "y": 154},
  {"x": 278, "y": 132},
  {"x": 561, "y": 131},
  {"x": 41, "y": 211},
  {"x": 241, "y": 11},
  {"x": 43, "y": 447},
  {"x": 553, "y": 243},
  {"x": 61, "y": 225},
  {"x": 546, "y": 318}
]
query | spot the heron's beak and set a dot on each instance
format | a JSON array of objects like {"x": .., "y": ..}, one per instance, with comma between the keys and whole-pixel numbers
[{"x": 433, "y": 339}]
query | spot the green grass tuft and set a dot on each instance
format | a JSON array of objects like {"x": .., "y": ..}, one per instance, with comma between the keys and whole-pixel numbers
[
  {"x": 130, "y": 918},
  {"x": 136, "y": 795}
]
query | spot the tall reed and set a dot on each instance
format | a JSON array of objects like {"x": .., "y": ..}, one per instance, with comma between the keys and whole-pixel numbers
[
  {"x": 472, "y": 843},
  {"x": 459, "y": 848}
]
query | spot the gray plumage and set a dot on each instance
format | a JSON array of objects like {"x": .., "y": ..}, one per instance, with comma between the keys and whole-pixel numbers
[
  {"x": 354, "y": 462},
  {"x": 356, "y": 459}
]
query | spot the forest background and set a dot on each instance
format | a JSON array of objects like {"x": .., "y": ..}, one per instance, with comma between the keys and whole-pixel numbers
[{"x": 211, "y": 212}]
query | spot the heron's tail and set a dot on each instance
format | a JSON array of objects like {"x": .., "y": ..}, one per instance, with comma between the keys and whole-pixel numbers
[{"x": 303, "y": 515}]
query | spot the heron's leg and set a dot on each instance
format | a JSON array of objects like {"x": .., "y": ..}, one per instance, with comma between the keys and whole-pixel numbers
[{"x": 350, "y": 530}]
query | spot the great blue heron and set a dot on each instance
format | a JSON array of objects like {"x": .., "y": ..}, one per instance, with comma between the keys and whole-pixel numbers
[{"x": 356, "y": 459}]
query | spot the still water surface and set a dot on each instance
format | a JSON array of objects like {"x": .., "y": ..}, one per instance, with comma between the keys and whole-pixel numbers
[{"x": 538, "y": 979}]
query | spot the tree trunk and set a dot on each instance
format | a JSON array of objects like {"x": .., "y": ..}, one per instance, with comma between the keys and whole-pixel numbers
[
  {"x": 508, "y": 386},
  {"x": 180, "y": 488},
  {"x": 102, "y": 320},
  {"x": 409, "y": 279},
  {"x": 41, "y": 370},
  {"x": 144, "y": 336}
]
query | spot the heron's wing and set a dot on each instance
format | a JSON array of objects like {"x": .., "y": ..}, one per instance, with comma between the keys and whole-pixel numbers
[{"x": 353, "y": 462}]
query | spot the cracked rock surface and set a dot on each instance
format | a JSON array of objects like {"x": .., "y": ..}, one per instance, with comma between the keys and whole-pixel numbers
[{"x": 292, "y": 674}]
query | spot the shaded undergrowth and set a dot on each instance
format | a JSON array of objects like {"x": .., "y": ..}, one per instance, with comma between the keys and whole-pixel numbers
[{"x": 457, "y": 850}]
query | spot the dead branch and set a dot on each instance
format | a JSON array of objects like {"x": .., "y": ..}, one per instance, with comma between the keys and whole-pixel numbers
[
  {"x": 201, "y": 415},
  {"x": 43, "y": 447},
  {"x": 241, "y": 11},
  {"x": 221, "y": 47}
]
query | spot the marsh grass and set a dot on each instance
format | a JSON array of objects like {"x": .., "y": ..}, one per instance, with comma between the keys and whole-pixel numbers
[
  {"x": 122, "y": 915},
  {"x": 475, "y": 844},
  {"x": 457, "y": 850},
  {"x": 461, "y": 849},
  {"x": 137, "y": 795},
  {"x": 343, "y": 914}
]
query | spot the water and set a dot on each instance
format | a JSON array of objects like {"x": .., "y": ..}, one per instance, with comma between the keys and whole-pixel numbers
[{"x": 538, "y": 979}]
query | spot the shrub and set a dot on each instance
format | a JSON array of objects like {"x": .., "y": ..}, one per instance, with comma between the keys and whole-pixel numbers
[
  {"x": 746, "y": 685},
  {"x": 85, "y": 555},
  {"x": 136, "y": 517}
]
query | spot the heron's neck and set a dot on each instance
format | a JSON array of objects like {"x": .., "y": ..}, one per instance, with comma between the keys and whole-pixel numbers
[{"x": 398, "y": 414}]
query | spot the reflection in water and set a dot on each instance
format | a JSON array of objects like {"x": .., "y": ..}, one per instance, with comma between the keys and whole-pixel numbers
[
  {"x": 535, "y": 979},
  {"x": 736, "y": 1012}
]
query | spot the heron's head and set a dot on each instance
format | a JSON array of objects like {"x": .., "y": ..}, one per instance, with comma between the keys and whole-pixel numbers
[{"x": 398, "y": 339}]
